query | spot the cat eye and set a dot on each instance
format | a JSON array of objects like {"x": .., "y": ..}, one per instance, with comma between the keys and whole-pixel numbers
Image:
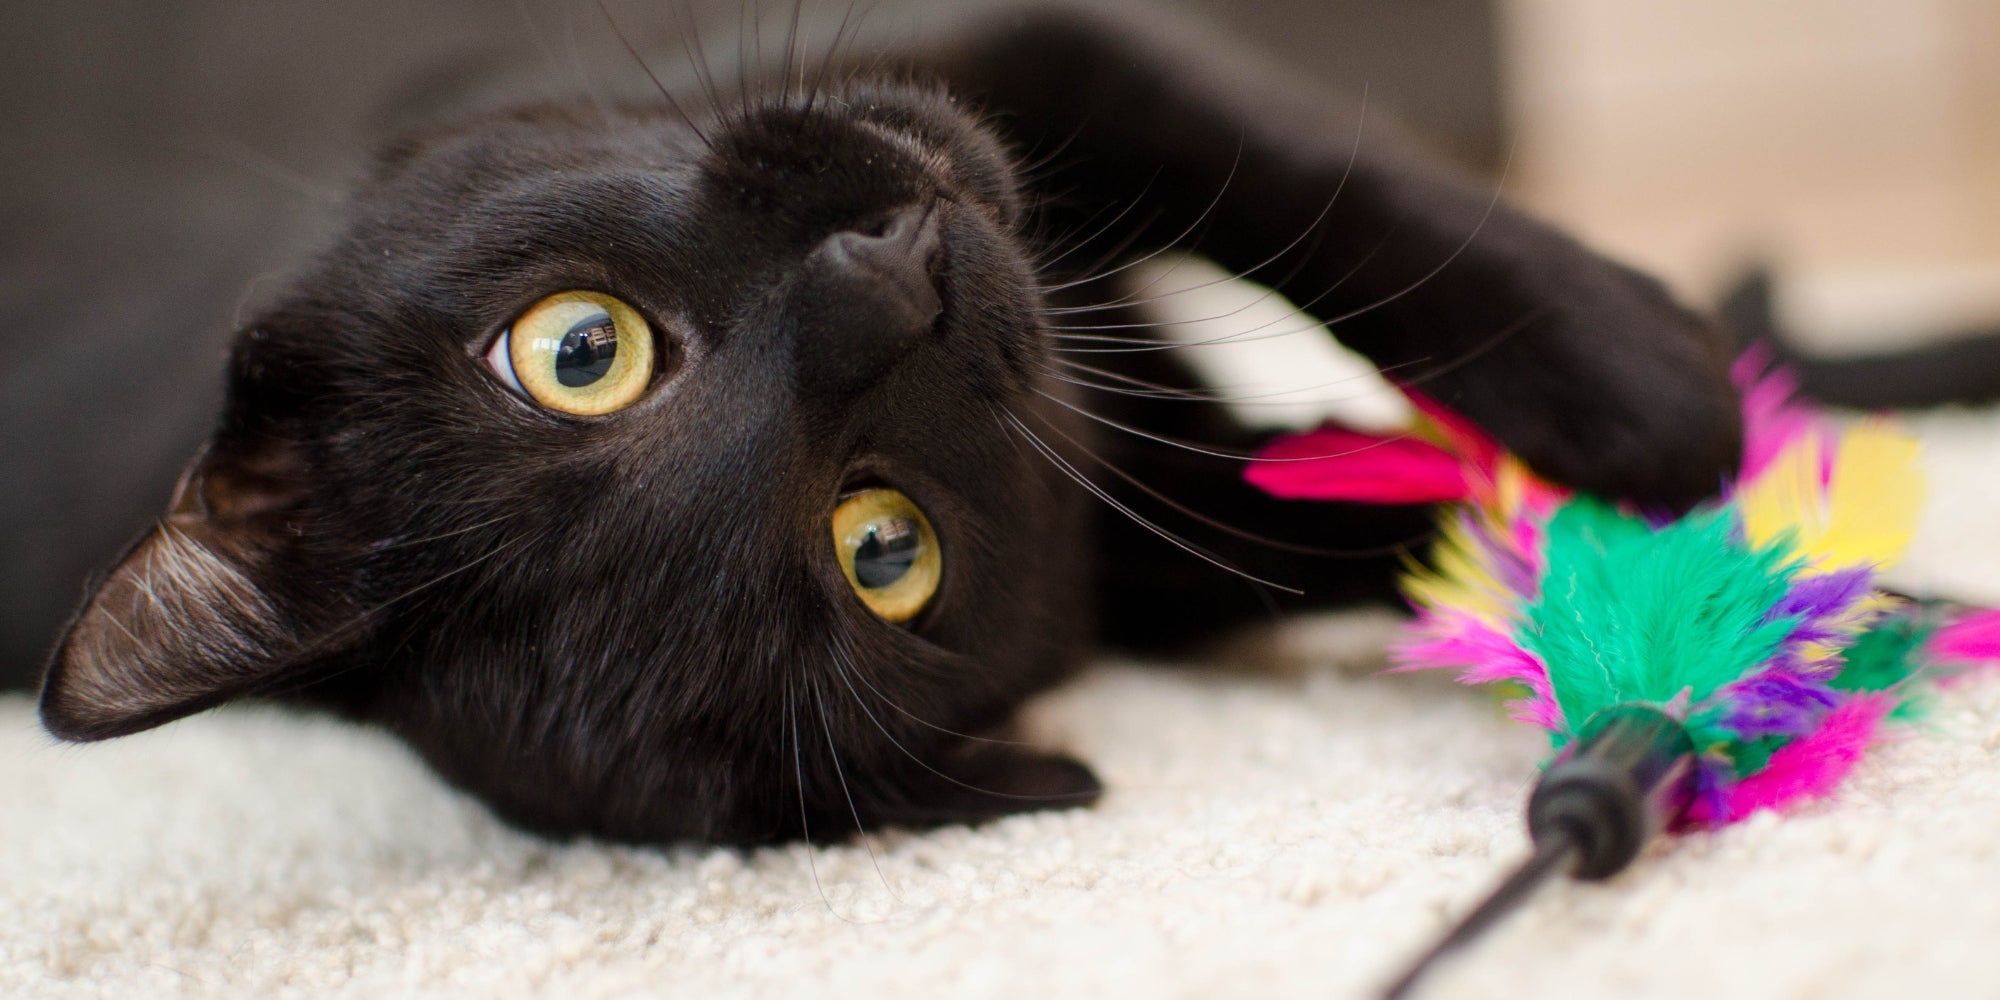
[
  {"x": 888, "y": 552},
  {"x": 584, "y": 353}
]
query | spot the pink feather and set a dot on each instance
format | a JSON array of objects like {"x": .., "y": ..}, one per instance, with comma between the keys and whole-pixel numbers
[
  {"x": 1773, "y": 417},
  {"x": 1806, "y": 768},
  {"x": 1974, "y": 638},
  {"x": 1483, "y": 655},
  {"x": 1334, "y": 463}
]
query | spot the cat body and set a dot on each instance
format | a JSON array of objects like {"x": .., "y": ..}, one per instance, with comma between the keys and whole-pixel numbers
[{"x": 644, "y": 621}]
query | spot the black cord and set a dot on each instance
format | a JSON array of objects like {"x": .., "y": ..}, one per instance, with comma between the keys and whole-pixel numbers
[
  {"x": 1556, "y": 854},
  {"x": 1628, "y": 774}
]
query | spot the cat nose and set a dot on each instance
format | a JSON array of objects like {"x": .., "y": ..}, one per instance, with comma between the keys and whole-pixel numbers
[
  {"x": 898, "y": 255},
  {"x": 866, "y": 295}
]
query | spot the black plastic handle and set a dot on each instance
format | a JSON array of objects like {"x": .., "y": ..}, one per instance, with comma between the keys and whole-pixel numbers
[{"x": 1629, "y": 774}]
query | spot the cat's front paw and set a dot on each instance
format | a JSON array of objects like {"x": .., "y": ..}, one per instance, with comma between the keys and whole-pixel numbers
[{"x": 1623, "y": 394}]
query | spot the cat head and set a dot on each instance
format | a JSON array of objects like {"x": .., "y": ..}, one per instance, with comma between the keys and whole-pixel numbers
[{"x": 653, "y": 479}]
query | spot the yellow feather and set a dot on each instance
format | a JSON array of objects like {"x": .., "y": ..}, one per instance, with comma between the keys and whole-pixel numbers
[
  {"x": 1877, "y": 495},
  {"x": 1458, "y": 578},
  {"x": 1865, "y": 516},
  {"x": 1784, "y": 499}
]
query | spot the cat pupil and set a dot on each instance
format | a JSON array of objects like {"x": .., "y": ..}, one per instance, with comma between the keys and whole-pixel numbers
[
  {"x": 587, "y": 351},
  {"x": 886, "y": 554}
]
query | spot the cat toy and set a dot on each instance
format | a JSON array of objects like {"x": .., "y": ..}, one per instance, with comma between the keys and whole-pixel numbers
[{"x": 1689, "y": 671}]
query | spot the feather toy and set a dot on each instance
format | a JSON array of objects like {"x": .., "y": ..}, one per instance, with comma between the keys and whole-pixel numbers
[{"x": 1689, "y": 671}]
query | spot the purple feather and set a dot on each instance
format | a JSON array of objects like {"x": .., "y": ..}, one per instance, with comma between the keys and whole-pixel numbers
[
  {"x": 1512, "y": 568},
  {"x": 1775, "y": 703},
  {"x": 1819, "y": 602},
  {"x": 1714, "y": 774}
]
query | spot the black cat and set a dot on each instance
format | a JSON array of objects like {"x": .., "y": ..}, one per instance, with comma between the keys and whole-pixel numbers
[{"x": 724, "y": 465}]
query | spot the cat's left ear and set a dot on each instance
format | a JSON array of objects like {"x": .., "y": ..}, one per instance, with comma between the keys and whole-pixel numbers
[{"x": 205, "y": 607}]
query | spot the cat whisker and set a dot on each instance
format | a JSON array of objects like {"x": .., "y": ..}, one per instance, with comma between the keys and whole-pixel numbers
[
  {"x": 689, "y": 31},
  {"x": 919, "y": 720},
  {"x": 832, "y": 52},
  {"x": 1118, "y": 250},
  {"x": 1199, "y": 218},
  {"x": 750, "y": 40},
  {"x": 742, "y": 78},
  {"x": 339, "y": 634},
  {"x": 1030, "y": 170},
  {"x": 665, "y": 94},
  {"x": 1166, "y": 393},
  {"x": 504, "y": 548},
  {"x": 860, "y": 830},
  {"x": 1144, "y": 344},
  {"x": 1138, "y": 388},
  {"x": 238, "y": 153},
  {"x": 1478, "y": 227},
  {"x": 1200, "y": 449},
  {"x": 577, "y": 61},
  {"x": 842, "y": 670},
  {"x": 1137, "y": 518},
  {"x": 1468, "y": 355},
  {"x": 1267, "y": 294},
  {"x": 1372, "y": 552},
  {"x": 400, "y": 543},
  {"x": 1312, "y": 228},
  {"x": 1270, "y": 291},
  {"x": 743, "y": 55},
  {"x": 1076, "y": 244},
  {"x": 557, "y": 65},
  {"x": 792, "y": 53},
  {"x": 799, "y": 776}
]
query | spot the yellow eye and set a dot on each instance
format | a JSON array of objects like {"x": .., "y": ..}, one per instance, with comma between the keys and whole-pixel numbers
[
  {"x": 888, "y": 551},
  {"x": 577, "y": 352}
]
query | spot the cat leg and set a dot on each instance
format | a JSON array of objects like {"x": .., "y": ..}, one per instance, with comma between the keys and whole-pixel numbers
[{"x": 1588, "y": 369}]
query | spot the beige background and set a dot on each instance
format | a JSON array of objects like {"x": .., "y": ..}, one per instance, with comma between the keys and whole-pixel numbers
[{"x": 1856, "y": 142}]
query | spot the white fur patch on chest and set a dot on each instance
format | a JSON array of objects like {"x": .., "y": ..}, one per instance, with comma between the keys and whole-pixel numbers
[{"x": 1273, "y": 366}]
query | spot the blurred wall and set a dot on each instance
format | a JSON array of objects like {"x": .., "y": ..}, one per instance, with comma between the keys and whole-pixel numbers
[
  {"x": 1433, "y": 63},
  {"x": 1855, "y": 144}
]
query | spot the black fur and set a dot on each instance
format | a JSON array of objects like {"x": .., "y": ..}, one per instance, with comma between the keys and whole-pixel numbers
[
  {"x": 632, "y": 625},
  {"x": 1962, "y": 368}
]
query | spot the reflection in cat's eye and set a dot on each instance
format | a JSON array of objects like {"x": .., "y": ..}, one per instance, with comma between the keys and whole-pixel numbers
[
  {"x": 888, "y": 552},
  {"x": 577, "y": 352}
]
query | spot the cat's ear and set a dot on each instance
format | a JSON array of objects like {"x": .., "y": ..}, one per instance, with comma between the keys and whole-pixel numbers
[{"x": 203, "y": 608}]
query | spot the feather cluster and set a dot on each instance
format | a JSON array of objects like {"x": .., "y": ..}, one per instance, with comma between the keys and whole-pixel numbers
[{"x": 1756, "y": 619}]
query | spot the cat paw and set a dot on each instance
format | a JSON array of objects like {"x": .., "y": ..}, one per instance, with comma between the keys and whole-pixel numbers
[
  {"x": 1623, "y": 394},
  {"x": 980, "y": 781}
]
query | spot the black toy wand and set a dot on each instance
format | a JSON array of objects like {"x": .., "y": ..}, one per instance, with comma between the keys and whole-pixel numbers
[
  {"x": 1751, "y": 628},
  {"x": 1590, "y": 814}
]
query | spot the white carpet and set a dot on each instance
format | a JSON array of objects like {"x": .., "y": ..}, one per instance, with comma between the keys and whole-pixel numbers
[{"x": 1292, "y": 825}]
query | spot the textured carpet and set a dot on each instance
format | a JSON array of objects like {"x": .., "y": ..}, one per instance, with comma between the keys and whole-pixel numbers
[{"x": 1282, "y": 821}]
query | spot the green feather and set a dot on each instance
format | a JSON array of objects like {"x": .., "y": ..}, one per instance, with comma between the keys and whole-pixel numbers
[
  {"x": 1630, "y": 612},
  {"x": 1886, "y": 655},
  {"x": 1748, "y": 757}
]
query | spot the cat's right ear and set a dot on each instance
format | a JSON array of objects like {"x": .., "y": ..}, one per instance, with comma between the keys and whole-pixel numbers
[{"x": 205, "y": 607}]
